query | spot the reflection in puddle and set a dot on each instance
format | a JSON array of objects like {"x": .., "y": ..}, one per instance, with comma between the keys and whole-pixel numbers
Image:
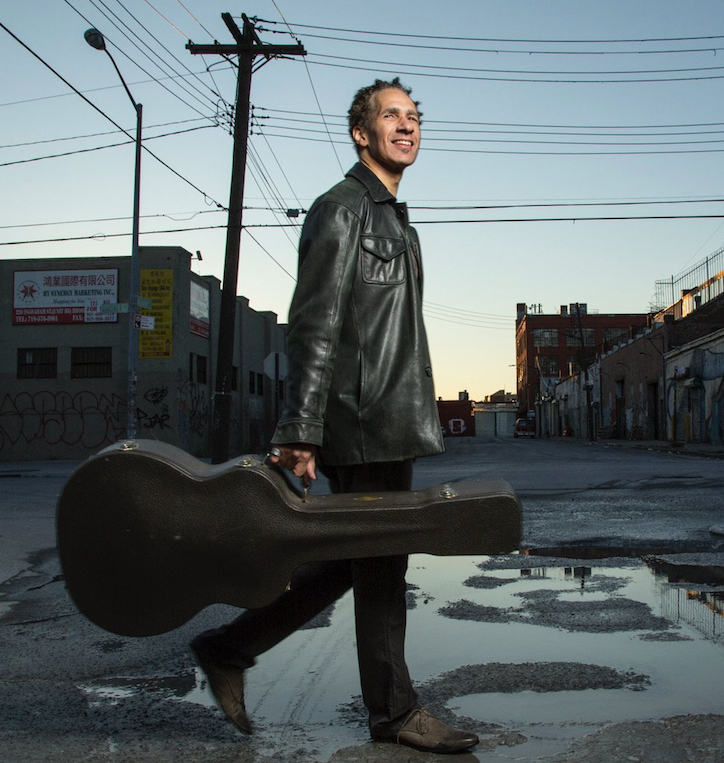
[
  {"x": 519, "y": 613},
  {"x": 549, "y": 649}
]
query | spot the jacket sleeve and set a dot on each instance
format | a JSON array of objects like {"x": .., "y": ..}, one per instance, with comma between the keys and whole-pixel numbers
[{"x": 328, "y": 253}]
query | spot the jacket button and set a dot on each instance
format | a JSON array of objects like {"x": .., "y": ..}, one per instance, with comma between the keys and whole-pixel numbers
[{"x": 428, "y": 371}]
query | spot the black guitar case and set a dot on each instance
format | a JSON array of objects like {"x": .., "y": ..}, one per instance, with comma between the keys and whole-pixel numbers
[{"x": 149, "y": 535}]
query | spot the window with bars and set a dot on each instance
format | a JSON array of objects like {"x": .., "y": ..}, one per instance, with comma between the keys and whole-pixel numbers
[
  {"x": 545, "y": 337},
  {"x": 548, "y": 365},
  {"x": 38, "y": 363},
  {"x": 90, "y": 363},
  {"x": 573, "y": 337}
]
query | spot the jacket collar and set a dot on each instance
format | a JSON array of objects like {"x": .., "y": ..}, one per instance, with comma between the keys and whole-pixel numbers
[{"x": 375, "y": 187}]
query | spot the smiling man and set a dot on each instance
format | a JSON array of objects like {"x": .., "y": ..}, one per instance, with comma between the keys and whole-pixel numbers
[{"x": 360, "y": 406}]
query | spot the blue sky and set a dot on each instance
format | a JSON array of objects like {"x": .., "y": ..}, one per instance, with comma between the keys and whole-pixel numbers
[{"x": 555, "y": 104}]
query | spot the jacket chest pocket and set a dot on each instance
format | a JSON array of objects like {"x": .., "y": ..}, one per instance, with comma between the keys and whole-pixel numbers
[{"x": 383, "y": 259}]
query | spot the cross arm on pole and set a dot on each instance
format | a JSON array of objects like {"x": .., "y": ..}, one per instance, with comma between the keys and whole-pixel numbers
[
  {"x": 253, "y": 49},
  {"x": 246, "y": 43}
]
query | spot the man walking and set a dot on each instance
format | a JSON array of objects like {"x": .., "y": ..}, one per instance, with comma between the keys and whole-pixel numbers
[{"x": 360, "y": 407}]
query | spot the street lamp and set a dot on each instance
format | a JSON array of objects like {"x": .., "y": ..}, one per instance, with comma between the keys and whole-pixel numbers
[{"x": 96, "y": 40}]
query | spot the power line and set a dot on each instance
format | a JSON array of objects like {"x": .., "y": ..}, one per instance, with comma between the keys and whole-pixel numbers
[
  {"x": 498, "y": 51},
  {"x": 519, "y": 124},
  {"x": 95, "y": 134},
  {"x": 186, "y": 36},
  {"x": 283, "y": 208},
  {"x": 415, "y": 222},
  {"x": 103, "y": 114},
  {"x": 170, "y": 215},
  {"x": 534, "y": 80},
  {"x": 314, "y": 92},
  {"x": 458, "y": 313},
  {"x": 368, "y": 32},
  {"x": 538, "y": 72},
  {"x": 447, "y": 139},
  {"x": 462, "y": 322},
  {"x": 570, "y": 219},
  {"x": 157, "y": 80},
  {"x": 528, "y": 153},
  {"x": 134, "y": 61},
  {"x": 215, "y": 93},
  {"x": 530, "y": 130},
  {"x": 100, "y": 148},
  {"x": 557, "y": 205},
  {"x": 269, "y": 254}
]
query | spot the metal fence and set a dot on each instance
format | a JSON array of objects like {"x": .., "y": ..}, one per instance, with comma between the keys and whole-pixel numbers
[{"x": 707, "y": 276}]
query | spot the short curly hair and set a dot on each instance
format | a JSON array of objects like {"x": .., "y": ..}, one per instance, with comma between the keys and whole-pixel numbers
[{"x": 362, "y": 108}]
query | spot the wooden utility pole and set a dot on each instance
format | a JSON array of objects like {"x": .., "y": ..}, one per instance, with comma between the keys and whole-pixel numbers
[{"x": 247, "y": 46}]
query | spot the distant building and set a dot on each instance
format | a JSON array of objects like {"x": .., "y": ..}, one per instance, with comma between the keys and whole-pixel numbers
[
  {"x": 456, "y": 416},
  {"x": 550, "y": 347},
  {"x": 64, "y": 357}
]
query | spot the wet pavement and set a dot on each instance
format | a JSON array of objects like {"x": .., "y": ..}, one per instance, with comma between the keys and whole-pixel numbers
[{"x": 550, "y": 658}]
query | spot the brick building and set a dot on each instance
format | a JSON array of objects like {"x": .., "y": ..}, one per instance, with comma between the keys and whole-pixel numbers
[{"x": 550, "y": 347}]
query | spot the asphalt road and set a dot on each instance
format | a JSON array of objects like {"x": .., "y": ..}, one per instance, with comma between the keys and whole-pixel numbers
[{"x": 555, "y": 659}]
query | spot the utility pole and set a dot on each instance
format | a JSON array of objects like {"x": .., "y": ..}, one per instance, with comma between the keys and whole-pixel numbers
[
  {"x": 587, "y": 386},
  {"x": 247, "y": 46}
]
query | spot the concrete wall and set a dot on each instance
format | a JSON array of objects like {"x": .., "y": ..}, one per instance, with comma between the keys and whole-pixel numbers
[
  {"x": 62, "y": 417},
  {"x": 695, "y": 391}
]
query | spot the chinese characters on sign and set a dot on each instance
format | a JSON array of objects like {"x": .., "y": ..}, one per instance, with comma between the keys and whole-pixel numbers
[{"x": 64, "y": 296}]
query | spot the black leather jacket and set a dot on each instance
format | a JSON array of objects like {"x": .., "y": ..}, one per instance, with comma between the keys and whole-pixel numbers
[{"x": 360, "y": 381}]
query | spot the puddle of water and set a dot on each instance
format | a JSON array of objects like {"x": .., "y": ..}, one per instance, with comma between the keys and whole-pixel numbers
[
  {"x": 635, "y": 620},
  {"x": 556, "y": 618}
]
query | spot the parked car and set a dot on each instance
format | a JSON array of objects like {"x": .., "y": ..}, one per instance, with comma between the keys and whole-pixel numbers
[{"x": 524, "y": 428}]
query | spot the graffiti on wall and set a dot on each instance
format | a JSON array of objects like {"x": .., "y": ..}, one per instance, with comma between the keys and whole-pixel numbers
[
  {"x": 57, "y": 418},
  {"x": 193, "y": 409},
  {"x": 92, "y": 421},
  {"x": 155, "y": 415}
]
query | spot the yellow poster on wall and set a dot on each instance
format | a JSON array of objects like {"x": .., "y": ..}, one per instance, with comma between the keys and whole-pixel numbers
[{"x": 157, "y": 285}]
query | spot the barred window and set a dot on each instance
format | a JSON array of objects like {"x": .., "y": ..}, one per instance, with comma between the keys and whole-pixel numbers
[
  {"x": 545, "y": 337},
  {"x": 38, "y": 363},
  {"x": 573, "y": 338},
  {"x": 548, "y": 365},
  {"x": 90, "y": 363}
]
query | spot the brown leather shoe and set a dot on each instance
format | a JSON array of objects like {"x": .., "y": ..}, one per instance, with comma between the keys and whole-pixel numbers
[
  {"x": 424, "y": 732},
  {"x": 226, "y": 684}
]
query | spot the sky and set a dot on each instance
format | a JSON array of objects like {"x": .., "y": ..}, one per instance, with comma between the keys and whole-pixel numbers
[{"x": 538, "y": 116}]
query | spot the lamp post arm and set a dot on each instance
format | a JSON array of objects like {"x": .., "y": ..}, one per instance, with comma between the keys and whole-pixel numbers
[{"x": 123, "y": 82}]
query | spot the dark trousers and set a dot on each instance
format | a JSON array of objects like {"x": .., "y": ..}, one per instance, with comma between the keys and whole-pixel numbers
[{"x": 380, "y": 608}]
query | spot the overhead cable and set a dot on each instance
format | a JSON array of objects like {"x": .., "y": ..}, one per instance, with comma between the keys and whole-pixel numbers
[
  {"x": 397, "y": 34},
  {"x": 110, "y": 119}
]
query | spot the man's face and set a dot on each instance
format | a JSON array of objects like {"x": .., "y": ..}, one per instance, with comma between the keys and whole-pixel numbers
[{"x": 392, "y": 139}]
